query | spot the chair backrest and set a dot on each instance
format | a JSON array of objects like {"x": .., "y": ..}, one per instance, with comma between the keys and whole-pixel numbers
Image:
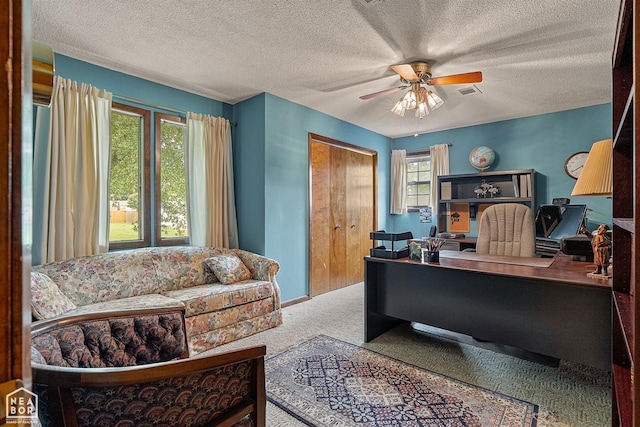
[
  {"x": 507, "y": 229},
  {"x": 119, "y": 338}
]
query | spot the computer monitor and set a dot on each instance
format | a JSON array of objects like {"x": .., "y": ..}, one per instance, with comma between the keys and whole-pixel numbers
[
  {"x": 555, "y": 222},
  {"x": 573, "y": 217},
  {"x": 547, "y": 219}
]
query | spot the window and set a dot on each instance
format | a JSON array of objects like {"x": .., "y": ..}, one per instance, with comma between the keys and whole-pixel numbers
[
  {"x": 418, "y": 181},
  {"x": 171, "y": 181},
  {"x": 131, "y": 209},
  {"x": 130, "y": 223}
]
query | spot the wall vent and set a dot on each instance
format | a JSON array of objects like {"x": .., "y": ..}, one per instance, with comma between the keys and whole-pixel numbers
[{"x": 470, "y": 90}]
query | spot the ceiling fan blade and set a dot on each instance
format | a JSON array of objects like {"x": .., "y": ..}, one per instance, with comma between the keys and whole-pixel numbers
[
  {"x": 454, "y": 79},
  {"x": 406, "y": 72},
  {"x": 383, "y": 92}
]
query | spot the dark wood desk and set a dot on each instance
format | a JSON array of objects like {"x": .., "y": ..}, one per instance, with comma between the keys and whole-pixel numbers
[{"x": 555, "y": 311}]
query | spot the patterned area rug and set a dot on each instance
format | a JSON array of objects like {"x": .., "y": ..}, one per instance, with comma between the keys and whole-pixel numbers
[{"x": 327, "y": 382}]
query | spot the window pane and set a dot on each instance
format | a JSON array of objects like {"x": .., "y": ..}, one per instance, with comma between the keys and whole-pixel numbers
[
  {"x": 126, "y": 221},
  {"x": 418, "y": 181},
  {"x": 173, "y": 188},
  {"x": 412, "y": 167},
  {"x": 423, "y": 200},
  {"x": 424, "y": 175},
  {"x": 412, "y": 176}
]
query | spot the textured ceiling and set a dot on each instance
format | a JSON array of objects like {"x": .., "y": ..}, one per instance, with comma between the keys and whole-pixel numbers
[{"x": 536, "y": 56}]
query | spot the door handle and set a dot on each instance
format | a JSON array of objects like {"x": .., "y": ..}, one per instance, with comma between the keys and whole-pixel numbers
[
  {"x": 337, "y": 227},
  {"x": 353, "y": 226}
]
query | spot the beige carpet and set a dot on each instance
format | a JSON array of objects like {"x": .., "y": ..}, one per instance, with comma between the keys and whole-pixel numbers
[{"x": 568, "y": 395}]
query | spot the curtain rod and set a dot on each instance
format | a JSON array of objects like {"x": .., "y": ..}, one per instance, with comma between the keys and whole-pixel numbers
[
  {"x": 424, "y": 150},
  {"x": 161, "y": 107}
]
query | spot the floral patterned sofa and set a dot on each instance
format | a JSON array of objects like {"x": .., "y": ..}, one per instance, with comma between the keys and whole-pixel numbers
[{"x": 227, "y": 294}]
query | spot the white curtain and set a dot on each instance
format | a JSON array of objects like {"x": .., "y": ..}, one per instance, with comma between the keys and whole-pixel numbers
[
  {"x": 71, "y": 173},
  {"x": 210, "y": 194},
  {"x": 398, "y": 182},
  {"x": 439, "y": 166}
]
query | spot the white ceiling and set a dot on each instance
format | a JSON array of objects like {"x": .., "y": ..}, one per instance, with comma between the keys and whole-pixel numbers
[{"x": 536, "y": 56}]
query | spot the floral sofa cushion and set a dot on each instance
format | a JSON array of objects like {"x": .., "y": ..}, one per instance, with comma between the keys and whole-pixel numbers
[
  {"x": 104, "y": 277},
  {"x": 140, "y": 302},
  {"x": 217, "y": 297},
  {"x": 228, "y": 268},
  {"x": 47, "y": 299}
]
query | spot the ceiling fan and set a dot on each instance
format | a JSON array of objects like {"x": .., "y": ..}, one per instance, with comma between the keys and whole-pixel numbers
[{"x": 414, "y": 75}]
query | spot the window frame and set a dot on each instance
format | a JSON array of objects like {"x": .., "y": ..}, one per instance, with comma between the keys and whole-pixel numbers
[
  {"x": 164, "y": 241},
  {"x": 145, "y": 179},
  {"x": 411, "y": 158}
]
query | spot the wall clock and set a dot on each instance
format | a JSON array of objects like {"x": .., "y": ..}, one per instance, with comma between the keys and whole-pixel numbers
[{"x": 574, "y": 163}]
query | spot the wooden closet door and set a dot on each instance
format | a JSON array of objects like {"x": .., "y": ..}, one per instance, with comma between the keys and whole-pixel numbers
[
  {"x": 320, "y": 218},
  {"x": 360, "y": 219},
  {"x": 341, "y": 216},
  {"x": 338, "y": 275}
]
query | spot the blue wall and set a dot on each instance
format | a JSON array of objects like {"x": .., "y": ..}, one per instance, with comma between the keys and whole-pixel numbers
[
  {"x": 249, "y": 173},
  {"x": 284, "y": 187},
  {"x": 271, "y": 167},
  {"x": 539, "y": 142},
  {"x": 137, "y": 88}
]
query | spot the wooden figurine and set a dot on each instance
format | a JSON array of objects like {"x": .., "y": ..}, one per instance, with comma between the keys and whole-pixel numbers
[{"x": 600, "y": 245}]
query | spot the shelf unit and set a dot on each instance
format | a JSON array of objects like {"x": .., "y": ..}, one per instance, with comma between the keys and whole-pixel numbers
[
  {"x": 626, "y": 199},
  {"x": 515, "y": 186}
]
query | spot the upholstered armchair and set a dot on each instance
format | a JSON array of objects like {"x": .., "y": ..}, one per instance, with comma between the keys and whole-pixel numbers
[
  {"x": 507, "y": 229},
  {"x": 131, "y": 369}
]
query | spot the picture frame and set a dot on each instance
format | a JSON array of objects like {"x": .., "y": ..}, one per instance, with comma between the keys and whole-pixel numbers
[{"x": 459, "y": 221}]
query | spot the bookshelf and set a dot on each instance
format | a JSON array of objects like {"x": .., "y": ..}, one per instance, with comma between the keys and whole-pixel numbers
[
  {"x": 512, "y": 186},
  {"x": 626, "y": 196}
]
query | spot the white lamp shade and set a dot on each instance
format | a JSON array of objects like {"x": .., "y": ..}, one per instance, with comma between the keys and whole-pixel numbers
[
  {"x": 434, "y": 101},
  {"x": 398, "y": 108}
]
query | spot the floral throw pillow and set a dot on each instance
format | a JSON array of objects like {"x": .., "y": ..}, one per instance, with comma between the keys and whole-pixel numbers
[
  {"x": 228, "y": 268},
  {"x": 46, "y": 298}
]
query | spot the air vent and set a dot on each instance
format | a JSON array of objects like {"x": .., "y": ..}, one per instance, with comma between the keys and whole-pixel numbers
[{"x": 470, "y": 90}]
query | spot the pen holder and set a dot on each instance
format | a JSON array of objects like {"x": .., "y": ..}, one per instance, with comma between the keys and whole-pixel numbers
[{"x": 430, "y": 256}]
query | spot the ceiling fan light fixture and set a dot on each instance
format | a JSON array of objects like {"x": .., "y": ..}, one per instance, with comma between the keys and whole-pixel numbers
[
  {"x": 410, "y": 100},
  {"x": 399, "y": 108},
  {"x": 422, "y": 110},
  {"x": 434, "y": 101},
  {"x": 414, "y": 75},
  {"x": 419, "y": 99}
]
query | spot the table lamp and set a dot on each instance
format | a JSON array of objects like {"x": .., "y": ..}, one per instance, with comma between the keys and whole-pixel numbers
[{"x": 596, "y": 179}]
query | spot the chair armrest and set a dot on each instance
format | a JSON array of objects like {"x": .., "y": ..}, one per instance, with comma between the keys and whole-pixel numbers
[
  {"x": 221, "y": 388},
  {"x": 261, "y": 267}
]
